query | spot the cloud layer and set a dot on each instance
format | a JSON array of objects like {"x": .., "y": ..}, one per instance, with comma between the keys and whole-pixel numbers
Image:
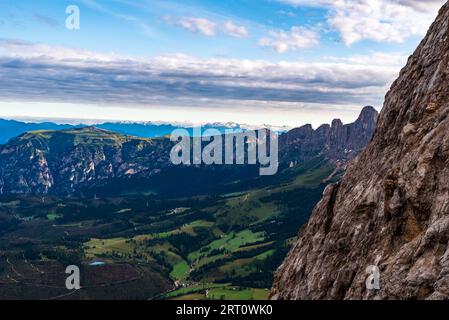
[
  {"x": 40, "y": 72},
  {"x": 378, "y": 20}
]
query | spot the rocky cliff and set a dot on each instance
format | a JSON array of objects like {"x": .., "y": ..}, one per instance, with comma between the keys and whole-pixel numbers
[
  {"x": 337, "y": 142},
  {"x": 391, "y": 209}
]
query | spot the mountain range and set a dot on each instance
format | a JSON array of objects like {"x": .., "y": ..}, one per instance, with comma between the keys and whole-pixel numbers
[
  {"x": 12, "y": 128},
  {"x": 91, "y": 159}
]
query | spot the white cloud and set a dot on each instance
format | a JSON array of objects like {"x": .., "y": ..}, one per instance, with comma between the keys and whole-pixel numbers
[
  {"x": 210, "y": 28},
  {"x": 199, "y": 25},
  {"x": 296, "y": 38},
  {"x": 378, "y": 20},
  {"x": 235, "y": 30}
]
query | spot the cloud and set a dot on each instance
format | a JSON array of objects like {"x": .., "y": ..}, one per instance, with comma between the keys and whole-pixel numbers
[
  {"x": 210, "y": 28},
  {"x": 427, "y": 5},
  {"x": 48, "y": 21},
  {"x": 234, "y": 30},
  {"x": 379, "y": 20},
  {"x": 38, "y": 72},
  {"x": 199, "y": 25},
  {"x": 142, "y": 25},
  {"x": 296, "y": 38},
  {"x": 374, "y": 59},
  {"x": 287, "y": 13}
]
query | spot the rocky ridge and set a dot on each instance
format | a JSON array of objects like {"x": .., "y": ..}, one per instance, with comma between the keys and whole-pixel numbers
[{"x": 337, "y": 142}]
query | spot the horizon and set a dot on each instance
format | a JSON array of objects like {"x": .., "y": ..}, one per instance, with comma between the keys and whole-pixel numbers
[{"x": 94, "y": 122}]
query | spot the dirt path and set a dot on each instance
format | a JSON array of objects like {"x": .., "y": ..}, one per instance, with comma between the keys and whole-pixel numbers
[{"x": 13, "y": 269}]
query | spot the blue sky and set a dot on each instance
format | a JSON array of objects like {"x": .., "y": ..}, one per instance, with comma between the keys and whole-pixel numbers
[{"x": 279, "y": 62}]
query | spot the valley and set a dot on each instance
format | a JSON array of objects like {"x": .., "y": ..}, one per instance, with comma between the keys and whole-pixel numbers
[{"x": 209, "y": 247}]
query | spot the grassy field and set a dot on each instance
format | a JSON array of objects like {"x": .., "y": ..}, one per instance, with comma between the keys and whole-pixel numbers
[
  {"x": 228, "y": 243},
  {"x": 180, "y": 271},
  {"x": 187, "y": 228},
  {"x": 97, "y": 247},
  {"x": 223, "y": 292},
  {"x": 122, "y": 249},
  {"x": 194, "y": 289},
  {"x": 53, "y": 216}
]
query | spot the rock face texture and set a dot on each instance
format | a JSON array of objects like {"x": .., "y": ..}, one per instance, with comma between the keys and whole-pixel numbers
[
  {"x": 337, "y": 142},
  {"x": 391, "y": 209}
]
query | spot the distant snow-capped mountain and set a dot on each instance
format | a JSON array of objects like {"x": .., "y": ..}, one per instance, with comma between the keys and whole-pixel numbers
[{"x": 13, "y": 128}]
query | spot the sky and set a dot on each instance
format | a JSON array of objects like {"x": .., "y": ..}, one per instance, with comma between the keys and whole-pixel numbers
[{"x": 256, "y": 62}]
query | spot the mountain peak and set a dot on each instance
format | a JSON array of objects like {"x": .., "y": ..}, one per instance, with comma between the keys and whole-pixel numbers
[
  {"x": 336, "y": 123},
  {"x": 367, "y": 114},
  {"x": 368, "y": 110},
  {"x": 338, "y": 143}
]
